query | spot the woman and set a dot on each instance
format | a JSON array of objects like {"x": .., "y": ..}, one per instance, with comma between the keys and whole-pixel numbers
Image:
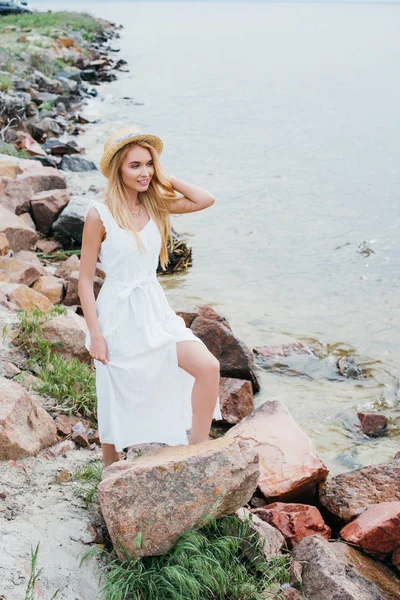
[{"x": 153, "y": 383}]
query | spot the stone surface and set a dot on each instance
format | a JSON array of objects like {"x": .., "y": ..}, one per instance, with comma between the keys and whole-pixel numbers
[
  {"x": 294, "y": 521},
  {"x": 347, "y": 495},
  {"x": 25, "y": 297},
  {"x": 70, "y": 331},
  {"x": 20, "y": 236},
  {"x": 18, "y": 271},
  {"x": 334, "y": 571},
  {"x": 172, "y": 489},
  {"x": 66, "y": 267},
  {"x": 4, "y": 244},
  {"x": 45, "y": 178},
  {"x": 25, "y": 427},
  {"x": 236, "y": 399},
  {"x": 234, "y": 356},
  {"x": 31, "y": 258},
  {"x": 15, "y": 195},
  {"x": 46, "y": 206},
  {"x": 372, "y": 424},
  {"x": 51, "y": 287},
  {"x": 9, "y": 167},
  {"x": 289, "y": 463},
  {"x": 377, "y": 530},
  {"x": 272, "y": 540}
]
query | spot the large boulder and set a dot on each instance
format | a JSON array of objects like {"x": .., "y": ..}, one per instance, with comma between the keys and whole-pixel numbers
[
  {"x": 69, "y": 224},
  {"x": 43, "y": 179},
  {"x": 20, "y": 236},
  {"x": 19, "y": 271},
  {"x": 234, "y": 356},
  {"x": 70, "y": 332},
  {"x": 46, "y": 206},
  {"x": 347, "y": 495},
  {"x": 377, "y": 530},
  {"x": 25, "y": 427},
  {"x": 170, "y": 490},
  {"x": 50, "y": 286},
  {"x": 335, "y": 571},
  {"x": 294, "y": 521},
  {"x": 15, "y": 195},
  {"x": 25, "y": 297},
  {"x": 289, "y": 463}
]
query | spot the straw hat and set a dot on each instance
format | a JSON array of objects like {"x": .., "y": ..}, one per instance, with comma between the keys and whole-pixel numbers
[{"x": 119, "y": 139}]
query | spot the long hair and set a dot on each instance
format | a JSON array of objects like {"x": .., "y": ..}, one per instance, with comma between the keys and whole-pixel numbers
[{"x": 157, "y": 198}]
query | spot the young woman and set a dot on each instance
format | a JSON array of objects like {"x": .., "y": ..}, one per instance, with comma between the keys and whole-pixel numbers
[{"x": 153, "y": 383}]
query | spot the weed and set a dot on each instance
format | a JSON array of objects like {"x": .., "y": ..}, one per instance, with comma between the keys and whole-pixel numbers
[
  {"x": 90, "y": 476},
  {"x": 30, "y": 590}
]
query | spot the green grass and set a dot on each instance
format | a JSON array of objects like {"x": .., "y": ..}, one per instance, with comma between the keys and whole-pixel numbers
[
  {"x": 5, "y": 83},
  {"x": 30, "y": 589},
  {"x": 9, "y": 150},
  {"x": 77, "y": 21},
  {"x": 205, "y": 563},
  {"x": 89, "y": 477},
  {"x": 70, "y": 381}
]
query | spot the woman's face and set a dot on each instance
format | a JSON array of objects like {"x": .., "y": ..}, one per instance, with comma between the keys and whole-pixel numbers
[{"x": 137, "y": 168}]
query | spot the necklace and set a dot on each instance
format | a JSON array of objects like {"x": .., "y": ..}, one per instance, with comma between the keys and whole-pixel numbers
[{"x": 138, "y": 213}]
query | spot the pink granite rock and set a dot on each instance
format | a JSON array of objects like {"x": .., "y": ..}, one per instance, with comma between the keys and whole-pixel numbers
[
  {"x": 289, "y": 463},
  {"x": 236, "y": 399}
]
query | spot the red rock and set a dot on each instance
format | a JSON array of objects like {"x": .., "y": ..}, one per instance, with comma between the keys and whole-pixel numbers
[
  {"x": 80, "y": 439},
  {"x": 46, "y": 206},
  {"x": 30, "y": 145},
  {"x": 236, "y": 399},
  {"x": 46, "y": 178},
  {"x": 372, "y": 424},
  {"x": 59, "y": 449},
  {"x": 234, "y": 356},
  {"x": 15, "y": 195},
  {"x": 289, "y": 463},
  {"x": 25, "y": 427},
  {"x": 347, "y": 495},
  {"x": 377, "y": 530},
  {"x": 294, "y": 521},
  {"x": 20, "y": 236},
  {"x": 65, "y": 423},
  {"x": 168, "y": 491}
]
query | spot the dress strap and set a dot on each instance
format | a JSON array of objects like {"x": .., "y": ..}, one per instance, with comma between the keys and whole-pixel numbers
[{"x": 103, "y": 212}]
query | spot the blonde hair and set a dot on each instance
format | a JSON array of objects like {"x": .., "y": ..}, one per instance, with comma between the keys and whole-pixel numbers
[{"x": 157, "y": 198}]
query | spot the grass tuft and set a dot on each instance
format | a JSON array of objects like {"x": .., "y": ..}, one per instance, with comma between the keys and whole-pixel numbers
[
  {"x": 30, "y": 590},
  {"x": 89, "y": 477}
]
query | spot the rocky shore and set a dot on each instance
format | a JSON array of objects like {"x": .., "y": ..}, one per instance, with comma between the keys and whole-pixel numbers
[{"x": 339, "y": 536}]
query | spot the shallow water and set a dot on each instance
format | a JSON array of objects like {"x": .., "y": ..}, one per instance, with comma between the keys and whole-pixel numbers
[{"x": 288, "y": 114}]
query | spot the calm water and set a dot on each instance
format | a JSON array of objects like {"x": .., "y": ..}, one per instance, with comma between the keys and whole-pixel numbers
[{"x": 288, "y": 114}]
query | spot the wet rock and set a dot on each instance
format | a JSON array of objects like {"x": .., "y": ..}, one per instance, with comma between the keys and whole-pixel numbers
[
  {"x": 56, "y": 146},
  {"x": 44, "y": 179},
  {"x": 377, "y": 530},
  {"x": 372, "y": 424},
  {"x": 15, "y": 195},
  {"x": 236, "y": 399},
  {"x": 46, "y": 206},
  {"x": 348, "y": 367},
  {"x": 19, "y": 271},
  {"x": 289, "y": 463},
  {"x": 19, "y": 235},
  {"x": 347, "y": 495},
  {"x": 332, "y": 571},
  {"x": 25, "y": 297},
  {"x": 294, "y": 521},
  {"x": 70, "y": 332},
  {"x": 51, "y": 287},
  {"x": 77, "y": 163},
  {"x": 272, "y": 540},
  {"x": 25, "y": 427},
  {"x": 166, "y": 492},
  {"x": 234, "y": 356}
]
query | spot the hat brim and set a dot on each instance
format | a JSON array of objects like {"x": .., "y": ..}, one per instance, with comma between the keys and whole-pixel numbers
[{"x": 111, "y": 149}]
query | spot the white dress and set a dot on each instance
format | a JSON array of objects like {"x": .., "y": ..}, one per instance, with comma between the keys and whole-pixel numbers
[{"x": 142, "y": 393}]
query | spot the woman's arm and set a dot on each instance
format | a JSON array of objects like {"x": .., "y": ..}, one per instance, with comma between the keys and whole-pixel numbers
[
  {"x": 92, "y": 235},
  {"x": 194, "y": 197}
]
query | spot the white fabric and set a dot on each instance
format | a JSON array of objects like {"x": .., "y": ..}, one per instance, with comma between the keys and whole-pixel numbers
[{"x": 142, "y": 393}]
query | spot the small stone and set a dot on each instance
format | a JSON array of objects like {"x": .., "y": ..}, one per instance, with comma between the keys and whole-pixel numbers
[
  {"x": 64, "y": 476},
  {"x": 372, "y": 424}
]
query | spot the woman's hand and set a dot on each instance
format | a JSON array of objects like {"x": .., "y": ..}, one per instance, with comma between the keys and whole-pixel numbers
[{"x": 99, "y": 350}]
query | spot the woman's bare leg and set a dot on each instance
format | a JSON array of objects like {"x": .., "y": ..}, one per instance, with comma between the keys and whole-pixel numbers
[
  {"x": 110, "y": 455},
  {"x": 197, "y": 360}
]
